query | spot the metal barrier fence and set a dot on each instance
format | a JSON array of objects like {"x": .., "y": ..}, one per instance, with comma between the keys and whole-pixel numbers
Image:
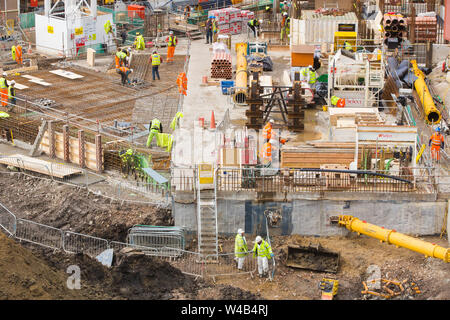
[
  {"x": 157, "y": 236},
  {"x": 413, "y": 180},
  {"x": 191, "y": 263}
]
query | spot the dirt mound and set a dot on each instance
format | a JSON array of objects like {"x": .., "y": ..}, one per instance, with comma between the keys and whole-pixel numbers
[
  {"x": 132, "y": 276},
  {"x": 72, "y": 208},
  {"x": 25, "y": 276}
]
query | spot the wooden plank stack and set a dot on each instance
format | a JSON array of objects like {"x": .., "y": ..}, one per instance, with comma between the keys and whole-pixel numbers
[{"x": 221, "y": 66}]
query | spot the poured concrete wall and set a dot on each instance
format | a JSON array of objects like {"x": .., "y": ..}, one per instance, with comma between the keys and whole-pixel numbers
[{"x": 311, "y": 217}]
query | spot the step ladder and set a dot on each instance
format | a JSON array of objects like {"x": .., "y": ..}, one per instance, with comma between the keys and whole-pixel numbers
[{"x": 207, "y": 212}]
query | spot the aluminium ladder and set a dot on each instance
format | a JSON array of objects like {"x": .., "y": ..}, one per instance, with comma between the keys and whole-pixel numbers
[{"x": 207, "y": 212}]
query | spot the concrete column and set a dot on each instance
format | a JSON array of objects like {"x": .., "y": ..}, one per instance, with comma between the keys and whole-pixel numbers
[
  {"x": 51, "y": 139},
  {"x": 99, "y": 153},
  {"x": 81, "y": 149},
  {"x": 66, "y": 143}
]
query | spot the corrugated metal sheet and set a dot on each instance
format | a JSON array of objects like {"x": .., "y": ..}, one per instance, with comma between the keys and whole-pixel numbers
[{"x": 315, "y": 28}]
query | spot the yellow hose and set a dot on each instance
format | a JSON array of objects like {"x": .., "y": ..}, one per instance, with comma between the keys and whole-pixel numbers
[
  {"x": 432, "y": 114},
  {"x": 396, "y": 238},
  {"x": 240, "y": 94}
]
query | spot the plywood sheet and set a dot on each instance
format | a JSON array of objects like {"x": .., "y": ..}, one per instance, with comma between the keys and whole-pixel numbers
[
  {"x": 20, "y": 86},
  {"x": 67, "y": 74},
  {"x": 40, "y": 166}
]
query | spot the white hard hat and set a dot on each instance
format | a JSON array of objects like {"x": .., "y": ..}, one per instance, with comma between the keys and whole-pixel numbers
[
  {"x": 131, "y": 70},
  {"x": 271, "y": 121},
  {"x": 5, "y": 74},
  {"x": 171, "y": 32},
  {"x": 258, "y": 239},
  {"x": 13, "y": 82},
  {"x": 285, "y": 14},
  {"x": 240, "y": 231},
  {"x": 272, "y": 141},
  {"x": 260, "y": 20}
]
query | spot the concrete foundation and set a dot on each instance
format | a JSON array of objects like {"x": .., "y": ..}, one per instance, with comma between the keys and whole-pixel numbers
[{"x": 311, "y": 217}]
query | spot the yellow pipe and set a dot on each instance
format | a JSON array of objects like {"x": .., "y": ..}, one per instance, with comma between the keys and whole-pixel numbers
[
  {"x": 432, "y": 114},
  {"x": 396, "y": 238},
  {"x": 240, "y": 94}
]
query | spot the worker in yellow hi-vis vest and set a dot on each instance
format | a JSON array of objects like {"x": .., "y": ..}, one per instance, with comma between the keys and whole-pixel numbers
[{"x": 155, "y": 128}]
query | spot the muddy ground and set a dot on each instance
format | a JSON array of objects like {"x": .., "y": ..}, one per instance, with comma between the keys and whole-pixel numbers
[
  {"x": 357, "y": 253},
  {"x": 73, "y": 209},
  {"x": 41, "y": 274},
  {"x": 33, "y": 273}
]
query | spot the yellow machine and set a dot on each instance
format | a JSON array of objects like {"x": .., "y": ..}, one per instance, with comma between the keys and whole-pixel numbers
[
  {"x": 391, "y": 236},
  {"x": 329, "y": 288},
  {"x": 432, "y": 114},
  {"x": 340, "y": 37},
  {"x": 241, "y": 73}
]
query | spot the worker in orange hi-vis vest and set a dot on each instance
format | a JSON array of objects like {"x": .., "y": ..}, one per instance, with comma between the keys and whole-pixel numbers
[
  {"x": 172, "y": 42},
  {"x": 436, "y": 143},
  {"x": 182, "y": 83},
  {"x": 265, "y": 153},
  {"x": 19, "y": 58},
  {"x": 268, "y": 130}
]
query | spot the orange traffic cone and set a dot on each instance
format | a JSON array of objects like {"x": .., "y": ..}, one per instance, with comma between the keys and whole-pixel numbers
[{"x": 213, "y": 120}]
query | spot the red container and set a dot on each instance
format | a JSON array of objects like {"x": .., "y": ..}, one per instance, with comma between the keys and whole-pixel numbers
[{"x": 135, "y": 11}]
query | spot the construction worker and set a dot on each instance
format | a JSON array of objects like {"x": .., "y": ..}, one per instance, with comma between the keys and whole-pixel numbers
[
  {"x": 124, "y": 36},
  {"x": 156, "y": 62},
  {"x": 120, "y": 58},
  {"x": 187, "y": 11},
  {"x": 11, "y": 96},
  {"x": 436, "y": 143},
  {"x": 285, "y": 26},
  {"x": 155, "y": 128},
  {"x": 211, "y": 28},
  {"x": 4, "y": 90},
  {"x": 176, "y": 120},
  {"x": 19, "y": 59},
  {"x": 263, "y": 252},
  {"x": 172, "y": 42},
  {"x": 265, "y": 153},
  {"x": 139, "y": 43},
  {"x": 182, "y": 83},
  {"x": 240, "y": 249},
  {"x": 124, "y": 72},
  {"x": 254, "y": 24},
  {"x": 268, "y": 130}
]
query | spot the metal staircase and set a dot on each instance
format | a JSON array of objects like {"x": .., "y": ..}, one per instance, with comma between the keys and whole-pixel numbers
[{"x": 207, "y": 218}]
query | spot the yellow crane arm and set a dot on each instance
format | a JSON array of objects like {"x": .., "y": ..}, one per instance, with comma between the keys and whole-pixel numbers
[{"x": 396, "y": 238}]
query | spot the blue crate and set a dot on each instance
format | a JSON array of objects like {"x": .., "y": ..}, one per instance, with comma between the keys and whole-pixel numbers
[{"x": 226, "y": 85}]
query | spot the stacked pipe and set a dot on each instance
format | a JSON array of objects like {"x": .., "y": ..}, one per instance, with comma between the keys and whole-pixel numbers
[
  {"x": 221, "y": 65},
  {"x": 394, "y": 29}
]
